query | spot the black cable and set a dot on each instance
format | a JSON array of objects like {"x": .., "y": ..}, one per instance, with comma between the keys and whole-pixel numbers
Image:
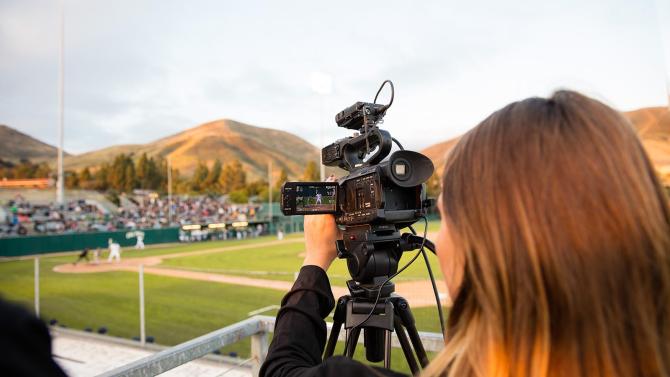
[
  {"x": 435, "y": 292},
  {"x": 437, "y": 295},
  {"x": 398, "y": 143},
  {"x": 392, "y": 95}
]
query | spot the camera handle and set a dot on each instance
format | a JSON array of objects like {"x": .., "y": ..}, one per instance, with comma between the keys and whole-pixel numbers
[{"x": 358, "y": 147}]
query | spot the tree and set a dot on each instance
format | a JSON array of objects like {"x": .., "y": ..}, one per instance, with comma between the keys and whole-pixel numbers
[
  {"x": 43, "y": 170},
  {"x": 121, "y": 174},
  {"x": 283, "y": 177},
  {"x": 212, "y": 181},
  {"x": 232, "y": 177},
  {"x": 24, "y": 169},
  {"x": 130, "y": 182},
  {"x": 239, "y": 196},
  {"x": 199, "y": 177},
  {"x": 101, "y": 177},
  {"x": 311, "y": 172},
  {"x": 142, "y": 169},
  {"x": 71, "y": 179},
  {"x": 161, "y": 174},
  {"x": 256, "y": 187},
  {"x": 86, "y": 180},
  {"x": 86, "y": 175}
]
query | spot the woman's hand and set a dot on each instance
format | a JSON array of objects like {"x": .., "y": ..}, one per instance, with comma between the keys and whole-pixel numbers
[{"x": 321, "y": 232}]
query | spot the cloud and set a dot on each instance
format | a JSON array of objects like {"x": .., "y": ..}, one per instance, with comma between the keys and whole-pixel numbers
[{"x": 137, "y": 71}]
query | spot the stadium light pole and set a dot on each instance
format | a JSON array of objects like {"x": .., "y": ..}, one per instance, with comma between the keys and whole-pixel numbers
[
  {"x": 322, "y": 85},
  {"x": 61, "y": 102}
]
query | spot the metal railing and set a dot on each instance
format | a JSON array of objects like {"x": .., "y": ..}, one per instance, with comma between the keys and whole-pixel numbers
[{"x": 257, "y": 327}]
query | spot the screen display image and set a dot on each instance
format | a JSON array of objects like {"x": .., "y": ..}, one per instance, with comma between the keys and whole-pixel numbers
[{"x": 315, "y": 198}]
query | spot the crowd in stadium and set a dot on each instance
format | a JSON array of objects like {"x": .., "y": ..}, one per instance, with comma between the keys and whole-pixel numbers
[
  {"x": 152, "y": 212},
  {"x": 142, "y": 211}
]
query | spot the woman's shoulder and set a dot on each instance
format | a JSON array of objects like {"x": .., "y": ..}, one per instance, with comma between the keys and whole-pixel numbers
[{"x": 343, "y": 366}]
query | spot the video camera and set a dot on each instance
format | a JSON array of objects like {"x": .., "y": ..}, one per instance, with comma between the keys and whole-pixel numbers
[
  {"x": 372, "y": 204},
  {"x": 377, "y": 199}
]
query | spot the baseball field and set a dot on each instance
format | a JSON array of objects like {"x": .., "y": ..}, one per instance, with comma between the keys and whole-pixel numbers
[{"x": 190, "y": 289}]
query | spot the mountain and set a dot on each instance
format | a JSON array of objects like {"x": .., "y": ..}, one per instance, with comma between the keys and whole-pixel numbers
[
  {"x": 15, "y": 146},
  {"x": 438, "y": 153},
  {"x": 652, "y": 124},
  {"x": 223, "y": 139}
]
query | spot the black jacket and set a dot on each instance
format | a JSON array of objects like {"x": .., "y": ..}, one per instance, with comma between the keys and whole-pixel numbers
[
  {"x": 25, "y": 344},
  {"x": 300, "y": 334}
]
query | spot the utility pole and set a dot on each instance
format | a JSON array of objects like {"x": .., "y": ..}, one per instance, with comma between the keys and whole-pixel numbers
[
  {"x": 169, "y": 189},
  {"x": 270, "y": 189},
  {"x": 61, "y": 101},
  {"x": 143, "y": 334},
  {"x": 37, "y": 286}
]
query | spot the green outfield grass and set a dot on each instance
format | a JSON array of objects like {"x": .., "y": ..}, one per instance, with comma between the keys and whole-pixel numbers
[
  {"x": 281, "y": 262},
  {"x": 177, "y": 309}
]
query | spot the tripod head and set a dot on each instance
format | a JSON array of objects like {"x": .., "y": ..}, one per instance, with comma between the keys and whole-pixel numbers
[{"x": 373, "y": 253}]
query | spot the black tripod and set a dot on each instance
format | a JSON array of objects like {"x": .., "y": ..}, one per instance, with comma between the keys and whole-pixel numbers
[{"x": 391, "y": 313}]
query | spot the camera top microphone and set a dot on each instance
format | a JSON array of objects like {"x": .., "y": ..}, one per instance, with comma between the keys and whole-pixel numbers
[{"x": 355, "y": 116}]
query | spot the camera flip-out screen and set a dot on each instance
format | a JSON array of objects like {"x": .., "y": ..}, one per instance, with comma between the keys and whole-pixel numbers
[
  {"x": 310, "y": 198},
  {"x": 306, "y": 198}
]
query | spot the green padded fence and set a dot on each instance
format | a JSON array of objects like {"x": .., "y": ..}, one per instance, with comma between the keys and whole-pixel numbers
[{"x": 29, "y": 245}]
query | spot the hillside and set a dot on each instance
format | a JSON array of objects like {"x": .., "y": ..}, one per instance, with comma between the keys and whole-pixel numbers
[
  {"x": 15, "y": 146},
  {"x": 652, "y": 123},
  {"x": 223, "y": 139},
  {"x": 438, "y": 153}
]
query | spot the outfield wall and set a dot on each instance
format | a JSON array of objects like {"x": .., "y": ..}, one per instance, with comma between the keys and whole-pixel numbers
[{"x": 28, "y": 245}]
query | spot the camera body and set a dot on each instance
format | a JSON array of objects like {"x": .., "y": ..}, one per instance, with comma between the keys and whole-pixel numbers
[{"x": 391, "y": 192}]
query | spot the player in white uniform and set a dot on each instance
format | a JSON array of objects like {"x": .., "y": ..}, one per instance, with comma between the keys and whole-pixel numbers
[
  {"x": 318, "y": 198},
  {"x": 140, "y": 241},
  {"x": 114, "y": 251}
]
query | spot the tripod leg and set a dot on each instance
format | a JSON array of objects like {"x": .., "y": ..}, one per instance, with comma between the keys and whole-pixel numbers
[
  {"x": 352, "y": 340},
  {"x": 332, "y": 340},
  {"x": 406, "y": 348},
  {"x": 387, "y": 349},
  {"x": 338, "y": 319},
  {"x": 407, "y": 320},
  {"x": 418, "y": 346}
]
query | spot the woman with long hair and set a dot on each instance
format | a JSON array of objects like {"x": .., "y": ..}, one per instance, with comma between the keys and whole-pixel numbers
[{"x": 554, "y": 243}]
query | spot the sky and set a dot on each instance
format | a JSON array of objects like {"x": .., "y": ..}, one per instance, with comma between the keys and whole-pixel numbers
[{"x": 136, "y": 71}]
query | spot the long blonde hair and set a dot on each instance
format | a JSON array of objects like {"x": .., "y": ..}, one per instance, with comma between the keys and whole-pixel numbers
[{"x": 564, "y": 230}]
